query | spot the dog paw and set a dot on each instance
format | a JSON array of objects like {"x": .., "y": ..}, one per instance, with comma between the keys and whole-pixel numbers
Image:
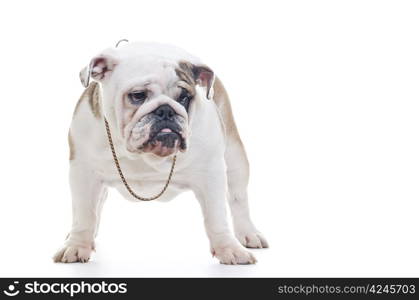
[
  {"x": 234, "y": 255},
  {"x": 72, "y": 254},
  {"x": 251, "y": 239}
]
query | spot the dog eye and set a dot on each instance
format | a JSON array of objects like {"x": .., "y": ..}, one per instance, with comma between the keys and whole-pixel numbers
[
  {"x": 184, "y": 97},
  {"x": 137, "y": 97}
]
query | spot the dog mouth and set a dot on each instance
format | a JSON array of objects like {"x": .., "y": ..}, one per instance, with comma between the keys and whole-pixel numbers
[
  {"x": 167, "y": 137},
  {"x": 164, "y": 139}
]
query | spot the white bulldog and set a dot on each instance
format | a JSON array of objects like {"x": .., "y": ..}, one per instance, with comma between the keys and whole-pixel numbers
[{"x": 159, "y": 101}]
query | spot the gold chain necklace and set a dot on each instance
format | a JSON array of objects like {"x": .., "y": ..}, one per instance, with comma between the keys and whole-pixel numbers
[{"x": 124, "y": 181}]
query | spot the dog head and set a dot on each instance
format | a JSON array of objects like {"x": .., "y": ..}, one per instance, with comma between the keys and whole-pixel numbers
[{"x": 149, "y": 94}]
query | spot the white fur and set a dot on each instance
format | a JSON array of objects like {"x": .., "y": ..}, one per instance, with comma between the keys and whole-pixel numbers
[{"x": 201, "y": 168}]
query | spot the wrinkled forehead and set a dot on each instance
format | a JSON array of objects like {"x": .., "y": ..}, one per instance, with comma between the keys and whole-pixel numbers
[{"x": 145, "y": 70}]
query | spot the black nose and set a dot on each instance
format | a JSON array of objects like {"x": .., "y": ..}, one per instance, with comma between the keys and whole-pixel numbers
[{"x": 164, "y": 112}]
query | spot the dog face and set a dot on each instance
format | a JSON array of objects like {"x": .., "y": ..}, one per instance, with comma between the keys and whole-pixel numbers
[{"x": 151, "y": 97}]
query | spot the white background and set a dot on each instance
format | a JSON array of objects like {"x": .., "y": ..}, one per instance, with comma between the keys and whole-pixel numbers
[{"x": 325, "y": 94}]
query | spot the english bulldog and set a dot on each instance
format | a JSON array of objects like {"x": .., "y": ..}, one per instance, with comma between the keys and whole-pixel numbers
[{"x": 159, "y": 101}]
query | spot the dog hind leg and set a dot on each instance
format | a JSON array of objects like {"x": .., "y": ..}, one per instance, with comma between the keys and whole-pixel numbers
[{"x": 237, "y": 174}]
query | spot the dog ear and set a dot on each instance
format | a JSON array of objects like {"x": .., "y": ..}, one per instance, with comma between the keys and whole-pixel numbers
[
  {"x": 98, "y": 69},
  {"x": 85, "y": 76},
  {"x": 204, "y": 76}
]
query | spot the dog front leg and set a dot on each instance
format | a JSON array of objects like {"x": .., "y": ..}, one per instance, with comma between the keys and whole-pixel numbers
[
  {"x": 211, "y": 195},
  {"x": 88, "y": 193}
]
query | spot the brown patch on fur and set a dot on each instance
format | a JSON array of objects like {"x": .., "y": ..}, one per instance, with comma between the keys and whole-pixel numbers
[
  {"x": 94, "y": 102},
  {"x": 222, "y": 101},
  {"x": 235, "y": 155},
  {"x": 71, "y": 145},
  {"x": 185, "y": 74},
  {"x": 92, "y": 94}
]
